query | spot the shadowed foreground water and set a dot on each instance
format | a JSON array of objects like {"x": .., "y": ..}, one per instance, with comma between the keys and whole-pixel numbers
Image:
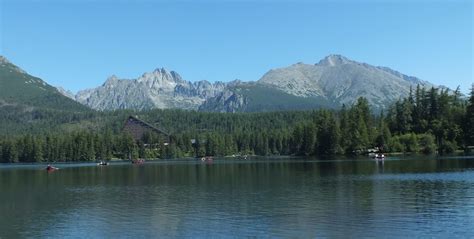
[{"x": 416, "y": 197}]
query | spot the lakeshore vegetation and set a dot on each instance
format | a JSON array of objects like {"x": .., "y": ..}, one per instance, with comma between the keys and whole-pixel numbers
[{"x": 427, "y": 121}]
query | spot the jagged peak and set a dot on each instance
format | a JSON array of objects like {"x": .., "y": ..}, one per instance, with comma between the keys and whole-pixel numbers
[
  {"x": 176, "y": 76},
  {"x": 161, "y": 70},
  {"x": 333, "y": 60},
  {"x": 164, "y": 71},
  {"x": 111, "y": 80}
]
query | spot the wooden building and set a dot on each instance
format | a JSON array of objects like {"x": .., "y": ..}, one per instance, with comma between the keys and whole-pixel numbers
[{"x": 138, "y": 128}]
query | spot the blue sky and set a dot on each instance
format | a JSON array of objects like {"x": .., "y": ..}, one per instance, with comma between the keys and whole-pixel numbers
[{"x": 78, "y": 44}]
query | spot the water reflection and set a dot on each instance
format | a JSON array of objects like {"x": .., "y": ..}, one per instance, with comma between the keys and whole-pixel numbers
[{"x": 287, "y": 198}]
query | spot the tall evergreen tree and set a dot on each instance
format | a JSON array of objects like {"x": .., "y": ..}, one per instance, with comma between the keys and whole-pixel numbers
[
  {"x": 469, "y": 120},
  {"x": 309, "y": 139}
]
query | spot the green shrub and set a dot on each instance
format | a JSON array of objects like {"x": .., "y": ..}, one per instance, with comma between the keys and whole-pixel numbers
[
  {"x": 427, "y": 144},
  {"x": 394, "y": 145},
  {"x": 447, "y": 147}
]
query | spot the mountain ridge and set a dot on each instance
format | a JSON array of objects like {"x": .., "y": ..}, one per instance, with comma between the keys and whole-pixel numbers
[
  {"x": 331, "y": 82},
  {"x": 157, "y": 89},
  {"x": 17, "y": 87}
]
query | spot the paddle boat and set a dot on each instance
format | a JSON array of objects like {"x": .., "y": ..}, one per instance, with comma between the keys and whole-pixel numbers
[
  {"x": 207, "y": 159},
  {"x": 50, "y": 169},
  {"x": 102, "y": 163},
  {"x": 138, "y": 161},
  {"x": 379, "y": 156}
]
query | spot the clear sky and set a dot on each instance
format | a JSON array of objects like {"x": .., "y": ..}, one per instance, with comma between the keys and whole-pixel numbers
[{"x": 78, "y": 44}]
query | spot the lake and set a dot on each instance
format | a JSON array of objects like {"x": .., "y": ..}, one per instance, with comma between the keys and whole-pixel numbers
[{"x": 297, "y": 198}]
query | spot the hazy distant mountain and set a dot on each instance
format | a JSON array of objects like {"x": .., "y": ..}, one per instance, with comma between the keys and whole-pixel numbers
[
  {"x": 333, "y": 81},
  {"x": 157, "y": 89},
  {"x": 18, "y": 88}
]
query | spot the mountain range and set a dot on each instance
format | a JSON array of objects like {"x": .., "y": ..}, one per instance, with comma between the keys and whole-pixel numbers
[
  {"x": 330, "y": 83},
  {"x": 157, "y": 89}
]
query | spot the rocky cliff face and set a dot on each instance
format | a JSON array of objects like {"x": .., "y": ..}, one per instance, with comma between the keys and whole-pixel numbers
[
  {"x": 226, "y": 101},
  {"x": 157, "y": 89}
]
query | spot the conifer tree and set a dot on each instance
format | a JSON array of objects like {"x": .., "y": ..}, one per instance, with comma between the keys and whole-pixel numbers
[{"x": 469, "y": 120}]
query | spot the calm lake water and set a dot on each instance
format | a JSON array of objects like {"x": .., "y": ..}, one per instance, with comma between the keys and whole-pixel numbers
[{"x": 417, "y": 197}]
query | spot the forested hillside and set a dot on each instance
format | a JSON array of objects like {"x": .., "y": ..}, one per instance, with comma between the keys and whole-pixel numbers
[
  {"x": 24, "y": 92},
  {"x": 427, "y": 121}
]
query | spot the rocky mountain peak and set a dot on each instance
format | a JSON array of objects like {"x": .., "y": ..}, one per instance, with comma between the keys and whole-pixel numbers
[
  {"x": 159, "y": 88},
  {"x": 113, "y": 79},
  {"x": 176, "y": 76},
  {"x": 333, "y": 60},
  {"x": 160, "y": 75},
  {"x": 329, "y": 81},
  {"x": 161, "y": 70}
]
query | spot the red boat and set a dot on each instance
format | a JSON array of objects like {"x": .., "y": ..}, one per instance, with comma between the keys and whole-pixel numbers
[
  {"x": 50, "y": 169},
  {"x": 138, "y": 161}
]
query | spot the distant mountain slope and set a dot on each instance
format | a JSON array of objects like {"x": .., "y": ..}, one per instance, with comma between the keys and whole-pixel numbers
[
  {"x": 334, "y": 81},
  {"x": 19, "y": 88},
  {"x": 341, "y": 80},
  {"x": 253, "y": 97},
  {"x": 157, "y": 89}
]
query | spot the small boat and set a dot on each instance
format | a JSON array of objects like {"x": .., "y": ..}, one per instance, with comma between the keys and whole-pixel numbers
[
  {"x": 379, "y": 156},
  {"x": 138, "y": 161},
  {"x": 207, "y": 159},
  {"x": 102, "y": 163},
  {"x": 50, "y": 168}
]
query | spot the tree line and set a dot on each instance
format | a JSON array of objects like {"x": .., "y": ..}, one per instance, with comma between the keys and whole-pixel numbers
[{"x": 427, "y": 121}]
